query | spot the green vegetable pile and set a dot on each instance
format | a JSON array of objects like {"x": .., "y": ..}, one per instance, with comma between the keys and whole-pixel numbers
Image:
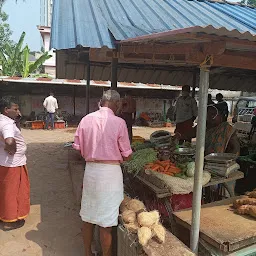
[
  {"x": 139, "y": 146},
  {"x": 139, "y": 159},
  {"x": 182, "y": 174}
]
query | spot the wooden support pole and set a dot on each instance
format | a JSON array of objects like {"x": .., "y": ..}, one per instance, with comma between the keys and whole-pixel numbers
[
  {"x": 87, "y": 104},
  {"x": 74, "y": 100},
  {"x": 114, "y": 67},
  {"x": 194, "y": 84}
]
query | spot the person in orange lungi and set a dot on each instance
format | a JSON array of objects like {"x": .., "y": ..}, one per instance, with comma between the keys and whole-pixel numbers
[{"x": 14, "y": 181}]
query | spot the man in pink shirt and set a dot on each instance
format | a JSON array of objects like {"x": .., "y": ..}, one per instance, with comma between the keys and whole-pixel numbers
[
  {"x": 14, "y": 182},
  {"x": 102, "y": 138}
]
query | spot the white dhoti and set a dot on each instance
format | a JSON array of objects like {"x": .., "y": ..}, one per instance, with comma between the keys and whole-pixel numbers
[{"x": 102, "y": 194}]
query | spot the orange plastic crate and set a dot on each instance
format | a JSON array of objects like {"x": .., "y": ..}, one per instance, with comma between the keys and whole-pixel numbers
[
  {"x": 37, "y": 125},
  {"x": 59, "y": 125}
]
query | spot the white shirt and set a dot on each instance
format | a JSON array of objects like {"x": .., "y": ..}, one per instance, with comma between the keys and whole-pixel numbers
[
  {"x": 8, "y": 129},
  {"x": 51, "y": 104},
  {"x": 185, "y": 109}
]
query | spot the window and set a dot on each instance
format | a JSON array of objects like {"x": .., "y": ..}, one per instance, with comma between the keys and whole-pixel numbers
[
  {"x": 252, "y": 104},
  {"x": 242, "y": 104}
]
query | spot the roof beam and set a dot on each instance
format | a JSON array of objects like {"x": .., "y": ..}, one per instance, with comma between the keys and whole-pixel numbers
[{"x": 217, "y": 47}]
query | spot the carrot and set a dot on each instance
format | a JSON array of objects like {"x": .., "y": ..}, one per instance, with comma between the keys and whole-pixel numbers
[
  {"x": 166, "y": 167},
  {"x": 155, "y": 168},
  {"x": 176, "y": 170},
  {"x": 161, "y": 168},
  {"x": 166, "y": 162}
]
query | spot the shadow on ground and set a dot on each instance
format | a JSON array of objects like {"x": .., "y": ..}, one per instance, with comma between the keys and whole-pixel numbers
[{"x": 54, "y": 213}]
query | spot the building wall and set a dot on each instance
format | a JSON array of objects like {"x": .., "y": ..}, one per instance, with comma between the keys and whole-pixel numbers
[
  {"x": 29, "y": 103},
  {"x": 46, "y": 12},
  {"x": 50, "y": 64},
  {"x": 50, "y": 70}
]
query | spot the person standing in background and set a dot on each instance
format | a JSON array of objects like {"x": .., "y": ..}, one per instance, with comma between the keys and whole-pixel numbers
[
  {"x": 210, "y": 101},
  {"x": 222, "y": 106},
  {"x": 14, "y": 181},
  {"x": 185, "y": 113},
  {"x": 51, "y": 105},
  {"x": 103, "y": 142},
  {"x": 128, "y": 112}
]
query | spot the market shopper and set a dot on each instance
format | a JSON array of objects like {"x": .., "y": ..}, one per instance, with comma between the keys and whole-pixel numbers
[
  {"x": 128, "y": 112},
  {"x": 222, "y": 106},
  {"x": 14, "y": 181},
  {"x": 51, "y": 105},
  {"x": 103, "y": 141},
  {"x": 185, "y": 113}
]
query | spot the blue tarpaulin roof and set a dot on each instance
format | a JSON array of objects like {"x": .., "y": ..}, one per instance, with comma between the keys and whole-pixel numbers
[{"x": 98, "y": 23}]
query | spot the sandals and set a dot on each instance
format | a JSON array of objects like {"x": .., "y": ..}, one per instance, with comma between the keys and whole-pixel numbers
[{"x": 13, "y": 225}]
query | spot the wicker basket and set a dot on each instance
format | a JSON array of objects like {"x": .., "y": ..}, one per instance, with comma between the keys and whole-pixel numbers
[{"x": 126, "y": 243}]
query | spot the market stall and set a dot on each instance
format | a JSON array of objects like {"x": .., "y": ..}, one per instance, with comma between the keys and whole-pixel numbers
[
  {"x": 141, "y": 233},
  {"x": 161, "y": 173},
  {"x": 223, "y": 231}
]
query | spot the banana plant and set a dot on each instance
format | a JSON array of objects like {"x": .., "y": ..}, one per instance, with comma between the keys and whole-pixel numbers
[
  {"x": 30, "y": 67},
  {"x": 10, "y": 58},
  {"x": 15, "y": 61}
]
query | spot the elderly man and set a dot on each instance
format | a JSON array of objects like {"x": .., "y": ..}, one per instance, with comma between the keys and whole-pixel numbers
[
  {"x": 14, "y": 182},
  {"x": 102, "y": 138}
]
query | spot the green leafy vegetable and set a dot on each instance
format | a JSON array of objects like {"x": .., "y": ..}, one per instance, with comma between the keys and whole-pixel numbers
[{"x": 139, "y": 159}]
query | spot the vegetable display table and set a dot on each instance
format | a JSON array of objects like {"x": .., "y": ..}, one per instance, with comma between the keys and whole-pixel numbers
[
  {"x": 143, "y": 188},
  {"x": 222, "y": 232},
  {"x": 128, "y": 246}
]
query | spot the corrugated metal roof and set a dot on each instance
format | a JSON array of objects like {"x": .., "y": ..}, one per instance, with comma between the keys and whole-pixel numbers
[
  {"x": 98, "y": 23},
  {"x": 172, "y": 35},
  {"x": 93, "y": 83}
]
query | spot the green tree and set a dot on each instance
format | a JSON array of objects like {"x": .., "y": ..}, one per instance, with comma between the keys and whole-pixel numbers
[
  {"x": 249, "y": 2},
  {"x": 5, "y": 31},
  {"x": 15, "y": 60}
]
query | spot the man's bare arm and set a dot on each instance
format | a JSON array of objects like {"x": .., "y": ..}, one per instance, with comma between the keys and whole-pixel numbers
[{"x": 10, "y": 146}]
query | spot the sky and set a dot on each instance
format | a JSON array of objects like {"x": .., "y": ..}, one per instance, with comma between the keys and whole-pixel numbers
[{"x": 25, "y": 16}]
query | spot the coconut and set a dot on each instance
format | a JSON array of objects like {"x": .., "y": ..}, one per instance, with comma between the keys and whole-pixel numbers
[
  {"x": 148, "y": 219},
  {"x": 144, "y": 235},
  {"x": 135, "y": 205},
  {"x": 252, "y": 194},
  {"x": 129, "y": 216},
  {"x": 123, "y": 206},
  {"x": 132, "y": 227},
  {"x": 159, "y": 232}
]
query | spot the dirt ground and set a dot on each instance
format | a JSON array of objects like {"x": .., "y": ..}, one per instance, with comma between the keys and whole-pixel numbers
[{"x": 53, "y": 227}]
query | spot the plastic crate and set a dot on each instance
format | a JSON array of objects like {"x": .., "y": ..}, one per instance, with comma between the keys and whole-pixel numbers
[
  {"x": 126, "y": 243},
  {"x": 35, "y": 125},
  {"x": 59, "y": 125}
]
